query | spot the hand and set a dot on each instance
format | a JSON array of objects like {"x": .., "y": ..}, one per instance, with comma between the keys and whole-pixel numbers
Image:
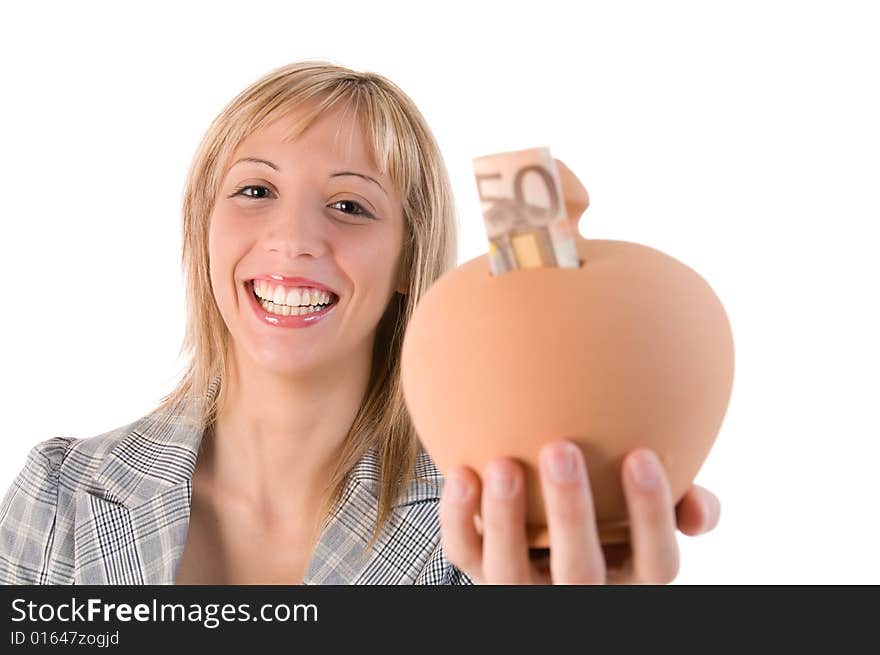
[{"x": 497, "y": 552}]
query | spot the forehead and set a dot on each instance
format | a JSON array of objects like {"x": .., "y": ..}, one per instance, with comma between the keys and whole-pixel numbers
[{"x": 333, "y": 138}]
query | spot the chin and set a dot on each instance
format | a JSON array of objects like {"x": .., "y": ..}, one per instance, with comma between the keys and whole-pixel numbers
[{"x": 289, "y": 365}]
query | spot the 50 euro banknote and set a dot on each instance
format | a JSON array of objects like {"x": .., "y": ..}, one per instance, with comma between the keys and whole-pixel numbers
[{"x": 524, "y": 211}]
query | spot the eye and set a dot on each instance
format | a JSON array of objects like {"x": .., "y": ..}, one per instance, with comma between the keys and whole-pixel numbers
[
  {"x": 352, "y": 203},
  {"x": 240, "y": 191}
]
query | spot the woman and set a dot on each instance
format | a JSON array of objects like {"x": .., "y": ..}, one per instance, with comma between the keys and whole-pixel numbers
[{"x": 316, "y": 213}]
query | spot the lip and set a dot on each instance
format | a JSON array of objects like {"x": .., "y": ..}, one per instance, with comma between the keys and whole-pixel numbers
[
  {"x": 293, "y": 281},
  {"x": 276, "y": 320}
]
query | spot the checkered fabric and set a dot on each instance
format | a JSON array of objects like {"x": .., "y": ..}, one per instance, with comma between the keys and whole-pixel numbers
[{"x": 114, "y": 509}]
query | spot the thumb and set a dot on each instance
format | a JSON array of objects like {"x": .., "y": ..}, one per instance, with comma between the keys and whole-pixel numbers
[{"x": 573, "y": 192}]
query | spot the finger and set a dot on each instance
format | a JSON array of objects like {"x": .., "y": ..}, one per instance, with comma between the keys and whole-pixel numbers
[
  {"x": 459, "y": 503},
  {"x": 573, "y": 192},
  {"x": 652, "y": 518},
  {"x": 505, "y": 547},
  {"x": 698, "y": 511},
  {"x": 575, "y": 551}
]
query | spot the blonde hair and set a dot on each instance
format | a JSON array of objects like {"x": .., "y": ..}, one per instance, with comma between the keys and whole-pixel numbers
[{"x": 403, "y": 147}]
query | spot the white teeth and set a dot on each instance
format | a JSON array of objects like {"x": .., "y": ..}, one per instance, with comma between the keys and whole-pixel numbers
[
  {"x": 290, "y": 296},
  {"x": 284, "y": 310},
  {"x": 293, "y": 297}
]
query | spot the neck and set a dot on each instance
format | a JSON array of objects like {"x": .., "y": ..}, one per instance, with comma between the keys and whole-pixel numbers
[{"x": 275, "y": 442}]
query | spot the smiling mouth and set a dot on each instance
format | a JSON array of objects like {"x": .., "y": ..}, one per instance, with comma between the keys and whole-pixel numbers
[{"x": 283, "y": 309}]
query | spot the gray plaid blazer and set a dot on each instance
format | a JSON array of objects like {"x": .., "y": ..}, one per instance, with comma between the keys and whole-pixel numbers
[{"x": 114, "y": 509}]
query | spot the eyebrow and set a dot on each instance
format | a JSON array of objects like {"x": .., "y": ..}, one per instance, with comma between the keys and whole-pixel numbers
[
  {"x": 257, "y": 160},
  {"x": 366, "y": 177}
]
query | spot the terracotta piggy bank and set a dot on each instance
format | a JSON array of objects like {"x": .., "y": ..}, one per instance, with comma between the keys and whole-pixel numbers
[{"x": 632, "y": 349}]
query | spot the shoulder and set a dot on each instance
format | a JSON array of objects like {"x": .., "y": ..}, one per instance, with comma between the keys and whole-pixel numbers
[
  {"x": 71, "y": 460},
  {"x": 28, "y": 515},
  {"x": 36, "y": 511},
  {"x": 43, "y": 461}
]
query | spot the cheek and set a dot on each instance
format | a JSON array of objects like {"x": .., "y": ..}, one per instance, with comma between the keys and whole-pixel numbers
[
  {"x": 229, "y": 232},
  {"x": 217, "y": 248},
  {"x": 372, "y": 265},
  {"x": 224, "y": 246},
  {"x": 372, "y": 270}
]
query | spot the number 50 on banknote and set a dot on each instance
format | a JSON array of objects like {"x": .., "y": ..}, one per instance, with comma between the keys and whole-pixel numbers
[{"x": 524, "y": 211}]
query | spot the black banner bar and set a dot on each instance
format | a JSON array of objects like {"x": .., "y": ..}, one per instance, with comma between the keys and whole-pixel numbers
[{"x": 129, "y": 618}]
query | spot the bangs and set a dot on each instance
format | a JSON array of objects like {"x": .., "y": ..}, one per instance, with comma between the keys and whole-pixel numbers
[{"x": 389, "y": 138}]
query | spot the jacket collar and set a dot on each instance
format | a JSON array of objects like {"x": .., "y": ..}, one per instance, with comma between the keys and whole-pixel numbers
[
  {"x": 160, "y": 452},
  {"x": 131, "y": 523}
]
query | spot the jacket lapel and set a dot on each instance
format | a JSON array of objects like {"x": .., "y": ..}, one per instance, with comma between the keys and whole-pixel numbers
[
  {"x": 131, "y": 523},
  {"x": 405, "y": 543},
  {"x": 115, "y": 544}
]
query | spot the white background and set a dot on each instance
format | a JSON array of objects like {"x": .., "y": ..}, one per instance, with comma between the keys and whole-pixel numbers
[{"x": 741, "y": 138}]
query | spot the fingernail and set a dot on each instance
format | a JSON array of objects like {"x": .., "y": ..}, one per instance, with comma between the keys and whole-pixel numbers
[
  {"x": 645, "y": 470},
  {"x": 458, "y": 488},
  {"x": 501, "y": 482},
  {"x": 709, "y": 505},
  {"x": 561, "y": 464}
]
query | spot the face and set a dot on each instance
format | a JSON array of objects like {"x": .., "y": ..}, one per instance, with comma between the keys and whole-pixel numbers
[{"x": 301, "y": 211}]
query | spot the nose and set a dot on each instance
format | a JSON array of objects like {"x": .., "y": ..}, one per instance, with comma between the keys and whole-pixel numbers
[{"x": 295, "y": 230}]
